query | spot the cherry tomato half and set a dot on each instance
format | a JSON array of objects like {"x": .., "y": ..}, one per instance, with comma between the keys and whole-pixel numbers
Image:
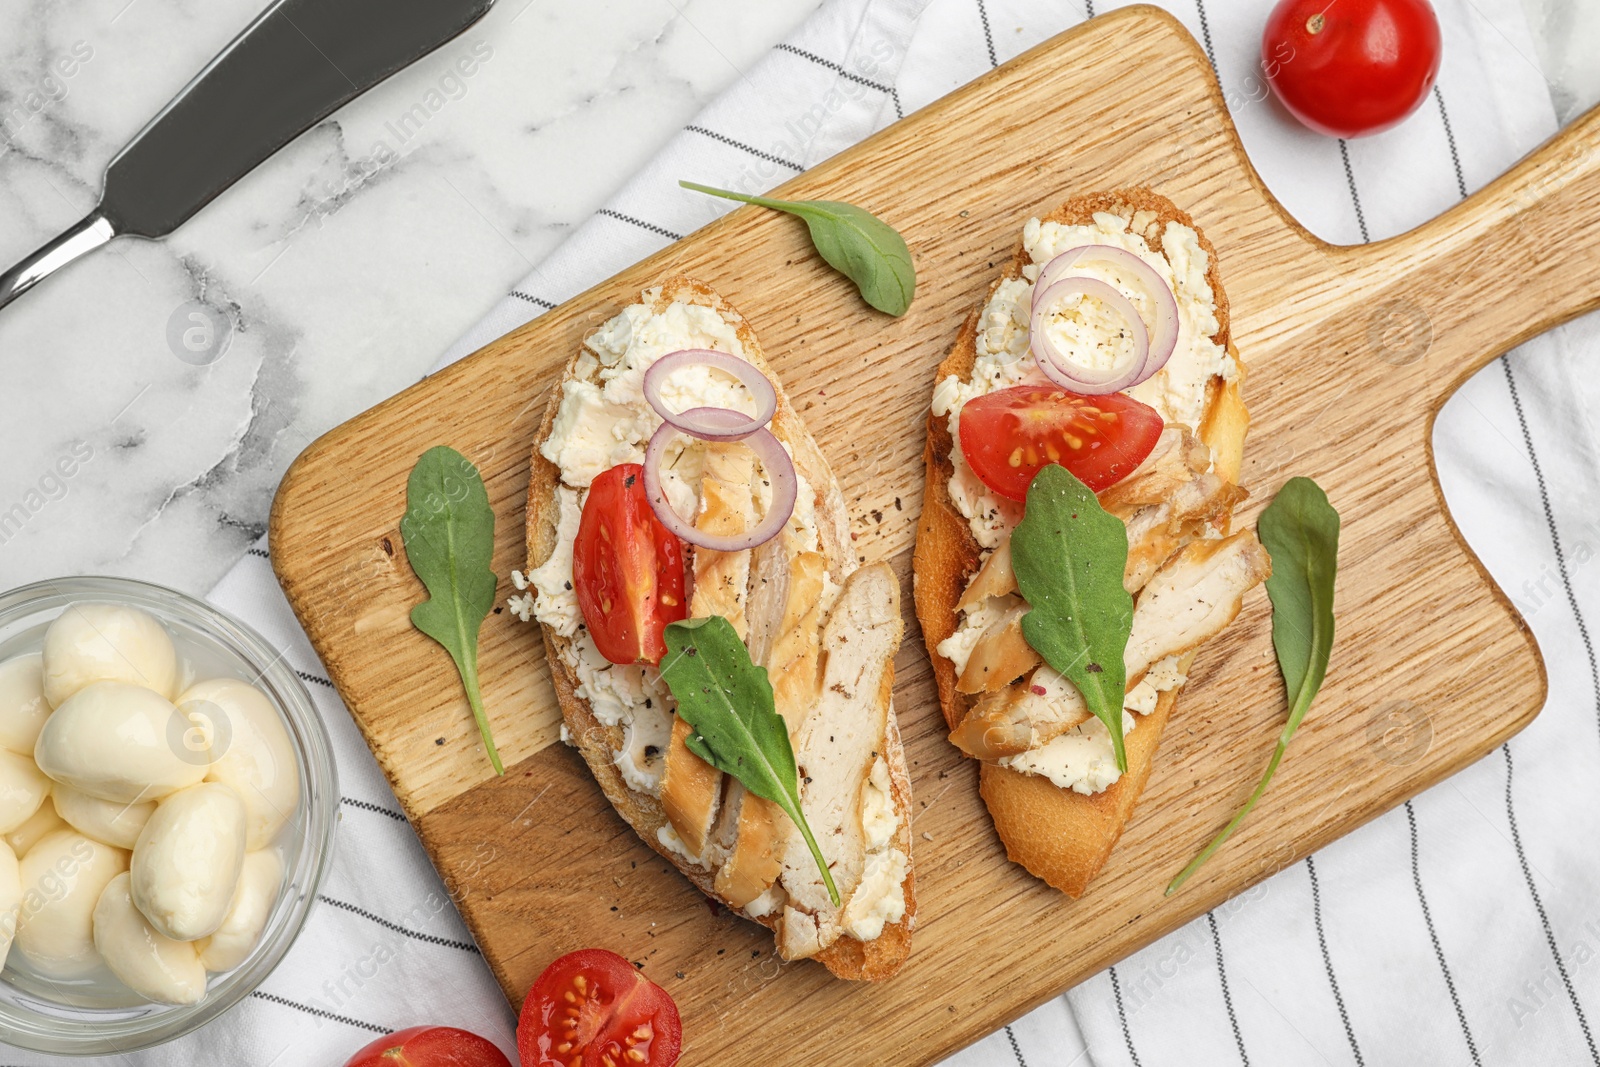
[
  {"x": 627, "y": 569},
  {"x": 592, "y": 1008},
  {"x": 430, "y": 1046},
  {"x": 1354, "y": 67},
  {"x": 1009, "y": 434}
]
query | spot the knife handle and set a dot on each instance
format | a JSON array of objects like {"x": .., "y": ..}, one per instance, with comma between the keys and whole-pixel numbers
[{"x": 82, "y": 239}]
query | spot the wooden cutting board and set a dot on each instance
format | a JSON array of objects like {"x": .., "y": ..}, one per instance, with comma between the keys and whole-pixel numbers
[{"x": 1350, "y": 351}]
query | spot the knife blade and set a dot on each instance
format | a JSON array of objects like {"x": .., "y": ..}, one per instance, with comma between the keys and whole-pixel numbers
[{"x": 296, "y": 64}]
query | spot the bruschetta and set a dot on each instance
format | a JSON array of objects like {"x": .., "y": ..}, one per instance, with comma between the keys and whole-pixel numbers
[
  {"x": 824, "y": 629},
  {"x": 1048, "y": 776}
]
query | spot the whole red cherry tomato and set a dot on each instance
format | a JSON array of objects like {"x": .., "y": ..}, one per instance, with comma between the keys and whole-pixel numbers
[
  {"x": 430, "y": 1046},
  {"x": 1354, "y": 67}
]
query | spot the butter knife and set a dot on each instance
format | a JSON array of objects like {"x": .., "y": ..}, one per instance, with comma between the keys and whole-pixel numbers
[{"x": 290, "y": 69}]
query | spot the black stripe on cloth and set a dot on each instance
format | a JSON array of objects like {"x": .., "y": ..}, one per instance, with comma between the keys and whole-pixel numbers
[
  {"x": 1122, "y": 1016},
  {"x": 1355, "y": 197},
  {"x": 1227, "y": 997},
  {"x": 318, "y": 1012},
  {"x": 1538, "y": 905},
  {"x": 1438, "y": 950},
  {"x": 307, "y": 676},
  {"x": 1450, "y": 138},
  {"x": 397, "y": 928},
  {"x": 1555, "y": 536},
  {"x": 367, "y": 805},
  {"x": 257, "y": 552},
  {"x": 1327, "y": 962},
  {"x": 988, "y": 34},
  {"x": 838, "y": 68},
  {"x": 643, "y": 225},
  {"x": 1205, "y": 33},
  {"x": 536, "y": 301},
  {"x": 741, "y": 146},
  {"x": 1016, "y": 1049},
  {"x": 1089, "y": 7}
]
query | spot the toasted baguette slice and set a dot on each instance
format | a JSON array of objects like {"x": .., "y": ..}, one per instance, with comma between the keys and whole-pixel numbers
[
  {"x": 832, "y": 671},
  {"x": 1060, "y": 836}
]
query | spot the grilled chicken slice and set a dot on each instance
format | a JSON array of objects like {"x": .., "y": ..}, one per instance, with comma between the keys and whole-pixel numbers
[
  {"x": 690, "y": 790},
  {"x": 749, "y": 831},
  {"x": 1156, "y": 531},
  {"x": 1001, "y": 654},
  {"x": 690, "y": 787},
  {"x": 722, "y": 579},
  {"x": 835, "y": 748},
  {"x": 994, "y": 578},
  {"x": 785, "y": 613},
  {"x": 1177, "y": 457},
  {"x": 1006, "y": 722},
  {"x": 1191, "y": 599}
]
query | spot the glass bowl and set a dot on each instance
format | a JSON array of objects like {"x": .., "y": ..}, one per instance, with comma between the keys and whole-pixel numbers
[{"x": 85, "y": 1020}]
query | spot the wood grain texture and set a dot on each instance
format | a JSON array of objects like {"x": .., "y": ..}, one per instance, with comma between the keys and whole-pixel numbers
[{"x": 1351, "y": 352}]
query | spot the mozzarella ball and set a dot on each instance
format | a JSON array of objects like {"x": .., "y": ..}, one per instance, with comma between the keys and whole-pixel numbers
[
  {"x": 22, "y": 790},
  {"x": 153, "y": 966},
  {"x": 253, "y": 753},
  {"x": 91, "y": 643},
  {"x": 187, "y": 860},
  {"x": 63, "y": 876},
  {"x": 110, "y": 821},
  {"x": 44, "y": 821},
  {"x": 121, "y": 742},
  {"x": 10, "y": 899},
  {"x": 23, "y": 708},
  {"x": 247, "y": 916}
]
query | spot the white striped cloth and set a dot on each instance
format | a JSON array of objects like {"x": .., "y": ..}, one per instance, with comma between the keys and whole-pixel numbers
[{"x": 1462, "y": 928}]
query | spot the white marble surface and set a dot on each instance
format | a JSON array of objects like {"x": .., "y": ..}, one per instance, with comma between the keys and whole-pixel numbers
[
  {"x": 1567, "y": 35},
  {"x": 341, "y": 281}
]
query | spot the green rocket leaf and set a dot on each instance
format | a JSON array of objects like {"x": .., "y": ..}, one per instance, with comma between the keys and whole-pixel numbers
[
  {"x": 737, "y": 729},
  {"x": 1300, "y": 531},
  {"x": 854, "y": 241},
  {"x": 1069, "y": 554},
  {"x": 448, "y": 532}
]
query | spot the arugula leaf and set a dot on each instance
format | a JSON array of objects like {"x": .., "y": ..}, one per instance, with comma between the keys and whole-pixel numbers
[
  {"x": 854, "y": 241},
  {"x": 737, "y": 728},
  {"x": 1300, "y": 530},
  {"x": 448, "y": 533},
  {"x": 1069, "y": 554}
]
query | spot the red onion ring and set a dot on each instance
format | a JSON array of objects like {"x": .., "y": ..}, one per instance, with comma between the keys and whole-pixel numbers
[
  {"x": 693, "y": 424},
  {"x": 1163, "y": 331},
  {"x": 775, "y": 462},
  {"x": 1074, "y": 376}
]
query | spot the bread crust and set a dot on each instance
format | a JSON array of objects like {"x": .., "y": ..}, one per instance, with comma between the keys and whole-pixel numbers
[
  {"x": 846, "y": 957},
  {"x": 1060, "y": 836}
]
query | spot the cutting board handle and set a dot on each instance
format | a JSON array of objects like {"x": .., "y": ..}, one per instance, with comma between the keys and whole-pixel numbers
[{"x": 1513, "y": 260}]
